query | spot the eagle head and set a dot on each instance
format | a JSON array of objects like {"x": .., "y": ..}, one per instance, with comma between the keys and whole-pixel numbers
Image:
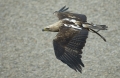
[{"x": 54, "y": 27}]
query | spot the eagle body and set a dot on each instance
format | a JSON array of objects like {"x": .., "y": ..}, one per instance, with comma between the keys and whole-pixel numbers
[
  {"x": 73, "y": 31},
  {"x": 65, "y": 34}
]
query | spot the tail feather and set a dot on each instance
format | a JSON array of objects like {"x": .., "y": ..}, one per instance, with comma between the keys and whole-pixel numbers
[
  {"x": 99, "y": 27},
  {"x": 95, "y": 26}
]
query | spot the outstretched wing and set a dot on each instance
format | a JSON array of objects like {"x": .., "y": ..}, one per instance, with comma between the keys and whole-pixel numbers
[
  {"x": 68, "y": 49},
  {"x": 63, "y": 13}
]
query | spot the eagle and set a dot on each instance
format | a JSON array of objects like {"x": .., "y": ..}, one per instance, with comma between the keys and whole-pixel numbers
[{"x": 73, "y": 31}]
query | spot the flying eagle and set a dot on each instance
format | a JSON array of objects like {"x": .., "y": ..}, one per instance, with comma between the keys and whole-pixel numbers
[{"x": 71, "y": 37}]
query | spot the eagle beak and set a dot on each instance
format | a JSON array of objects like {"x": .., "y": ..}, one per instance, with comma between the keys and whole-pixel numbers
[{"x": 45, "y": 29}]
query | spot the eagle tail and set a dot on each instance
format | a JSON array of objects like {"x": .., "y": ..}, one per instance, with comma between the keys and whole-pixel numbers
[
  {"x": 95, "y": 26},
  {"x": 99, "y": 27}
]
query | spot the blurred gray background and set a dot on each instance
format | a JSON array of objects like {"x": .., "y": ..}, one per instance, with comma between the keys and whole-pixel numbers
[{"x": 27, "y": 52}]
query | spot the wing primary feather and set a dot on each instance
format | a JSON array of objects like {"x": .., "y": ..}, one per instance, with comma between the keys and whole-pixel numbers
[
  {"x": 62, "y": 8},
  {"x": 77, "y": 59},
  {"x": 67, "y": 60},
  {"x": 63, "y": 59},
  {"x": 79, "y": 68},
  {"x": 66, "y": 57},
  {"x": 65, "y": 9},
  {"x": 71, "y": 66},
  {"x": 71, "y": 60},
  {"x": 76, "y": 63}
]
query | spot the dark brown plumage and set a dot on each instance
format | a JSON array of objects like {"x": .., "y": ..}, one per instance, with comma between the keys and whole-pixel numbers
[
  {"x": 63, "y": 13},
  {"x": 80, "y": 20},
  {"x": 68, "y": 46}
]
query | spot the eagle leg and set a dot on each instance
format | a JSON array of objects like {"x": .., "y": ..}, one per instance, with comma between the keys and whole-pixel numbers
[{"x": 98, "y": 34}]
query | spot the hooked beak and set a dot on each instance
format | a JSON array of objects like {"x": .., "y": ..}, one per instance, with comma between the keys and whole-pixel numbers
[{"x": 45, "y": 29}]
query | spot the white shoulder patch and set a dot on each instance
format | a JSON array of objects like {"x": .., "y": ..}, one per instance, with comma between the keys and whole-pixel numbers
[
  {"x": 84, "y": 25},
  {"x": 66, "y": 25},
  {"x": 71, "y": 20},
  {"x": 76, "y": 27},
  {"x": 73, "y": 26}
]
